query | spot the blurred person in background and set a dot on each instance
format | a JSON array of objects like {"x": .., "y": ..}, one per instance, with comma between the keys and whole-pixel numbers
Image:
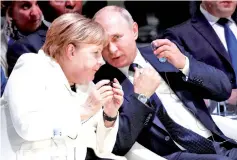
[
  {"x": 31, "y": 44},
  {"x": 55, "y": 110},
  {"x": 211, "y": 37},
  {"x": 21, "y": 19}
]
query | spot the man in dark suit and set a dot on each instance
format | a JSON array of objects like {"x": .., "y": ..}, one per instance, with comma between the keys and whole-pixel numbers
[
  {"x": 163, "y": 106},
  {"x": 204, "y": 36},
  {"x": 32, "y": 43}
]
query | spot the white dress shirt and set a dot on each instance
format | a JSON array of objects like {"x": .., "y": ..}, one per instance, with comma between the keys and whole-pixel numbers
[
  {"x": 174, "y": 107},
  {"x": 218, "y": 28}
]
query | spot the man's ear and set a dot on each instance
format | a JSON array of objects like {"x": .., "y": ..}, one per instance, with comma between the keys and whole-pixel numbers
[
  {"x": 70, "y": 51},
  {"x": 135, "y": 30}
]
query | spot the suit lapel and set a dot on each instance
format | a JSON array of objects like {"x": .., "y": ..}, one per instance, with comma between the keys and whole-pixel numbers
[
  {"x": 148, "y": 55},
  {"x": 200, "y": 23}
]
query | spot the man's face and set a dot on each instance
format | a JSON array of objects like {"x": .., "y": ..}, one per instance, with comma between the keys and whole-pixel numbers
[
  {"x": 219, "y": 8},
  {"x": 66, "y": 6},
  {"x": 121, "y": 50}
]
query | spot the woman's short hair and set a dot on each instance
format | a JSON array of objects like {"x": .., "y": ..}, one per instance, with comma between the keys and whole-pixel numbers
[{"x": 72, "y": 28}]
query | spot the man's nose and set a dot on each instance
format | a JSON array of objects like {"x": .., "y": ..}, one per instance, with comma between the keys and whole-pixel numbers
[
  {"x": 70, "y": 4},
  {"x": 112, "y": 48}
]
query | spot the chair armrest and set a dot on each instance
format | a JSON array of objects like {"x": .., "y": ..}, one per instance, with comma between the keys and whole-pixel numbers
[
  {"x": 138, "y": 152},
  {"x": 227, "y": 126}
]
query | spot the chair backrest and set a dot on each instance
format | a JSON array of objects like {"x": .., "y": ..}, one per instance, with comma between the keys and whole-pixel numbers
[{"x": 7, "y": 130}]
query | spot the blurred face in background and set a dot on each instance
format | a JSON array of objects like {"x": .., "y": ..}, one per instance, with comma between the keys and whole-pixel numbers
[
  {"x": 66, "y": 6},
  {"x": 221, "y": 9},
  {"x": 26, "y": 15}
]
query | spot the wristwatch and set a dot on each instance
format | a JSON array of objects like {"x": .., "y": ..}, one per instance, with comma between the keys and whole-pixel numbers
[
  {"x": 142, "y": 98},
  {"x": 108, "y": 118}
]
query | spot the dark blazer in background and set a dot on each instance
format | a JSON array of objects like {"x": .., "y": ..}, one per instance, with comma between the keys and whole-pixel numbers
[
  {"x": 199, "y": 38},
  {"x": 140, "y": 123},
  {"x": 30, "y": 44}
]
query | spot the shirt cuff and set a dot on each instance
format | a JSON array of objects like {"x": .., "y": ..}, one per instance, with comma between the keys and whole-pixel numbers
[{"x": 185, "y": 70}]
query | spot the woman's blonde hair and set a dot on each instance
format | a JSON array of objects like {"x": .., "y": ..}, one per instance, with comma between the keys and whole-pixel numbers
[{"x": 72, "y": 28}]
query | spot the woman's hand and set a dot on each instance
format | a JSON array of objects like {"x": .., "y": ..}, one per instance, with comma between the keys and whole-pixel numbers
[
  {"x": 100, "y": 93},
  {"x": 113, "y": 102}
]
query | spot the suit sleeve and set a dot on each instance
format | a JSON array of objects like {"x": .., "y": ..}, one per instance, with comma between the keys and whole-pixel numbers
[
  {"x": 203, "y": 79},
  {"x": 15, "y": 51},
  {"x": 134, "y": 116},
  {"x": 209, "y": 81},
  {"x": 105, "y": 137},
  {"x": 206, "y": 80}
]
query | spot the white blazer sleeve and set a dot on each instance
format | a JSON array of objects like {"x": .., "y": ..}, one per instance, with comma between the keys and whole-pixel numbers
[
  {"x": 106, "y": 137},
  {"x": 98, "y": 137},
  {"x": 33, "y": 110}
]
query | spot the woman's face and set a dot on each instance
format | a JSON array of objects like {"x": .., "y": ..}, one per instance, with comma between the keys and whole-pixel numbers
[
  {"x": 26, "y": 15},
  {"x": 86, "y": 61}
]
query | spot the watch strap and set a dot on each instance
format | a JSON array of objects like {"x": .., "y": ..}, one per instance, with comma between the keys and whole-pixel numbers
[{"x": 108, "y": 118}]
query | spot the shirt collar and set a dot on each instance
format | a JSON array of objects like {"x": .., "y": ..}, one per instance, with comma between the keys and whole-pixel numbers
[
  {"x": 138, "y": 60},
  {"x": 210, "y": 18}
]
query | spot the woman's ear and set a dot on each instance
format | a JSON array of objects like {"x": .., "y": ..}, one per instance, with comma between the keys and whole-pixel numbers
[{"x": 70, "y": 51}]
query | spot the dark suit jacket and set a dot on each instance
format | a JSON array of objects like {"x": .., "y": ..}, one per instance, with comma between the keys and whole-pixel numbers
[
  {"x": 30, "y": 44},
  {"x": 139, "y": 122},
  {"x": 199, "y": 38}
]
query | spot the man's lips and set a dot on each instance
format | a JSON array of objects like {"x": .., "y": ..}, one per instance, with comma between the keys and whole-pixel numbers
[{"x": 114, "y": 58}]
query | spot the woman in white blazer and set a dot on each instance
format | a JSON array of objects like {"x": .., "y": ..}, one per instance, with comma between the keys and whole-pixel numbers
[{"x": 52, "y": 107}]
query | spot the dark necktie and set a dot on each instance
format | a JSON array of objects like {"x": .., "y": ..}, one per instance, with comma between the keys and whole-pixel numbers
[
  {"x": 231, "y": 42},
  {"x": 188, "y": 139},
  {"x": 132, "y": 67}
]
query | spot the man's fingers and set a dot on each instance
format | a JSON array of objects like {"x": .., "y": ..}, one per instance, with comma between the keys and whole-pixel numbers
[
  {"x": 137, "y": 73},
  {"x": 161, "y": 42},
  {"x": 164, "y": 54},
  {"x": 162, "y": 49}
]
